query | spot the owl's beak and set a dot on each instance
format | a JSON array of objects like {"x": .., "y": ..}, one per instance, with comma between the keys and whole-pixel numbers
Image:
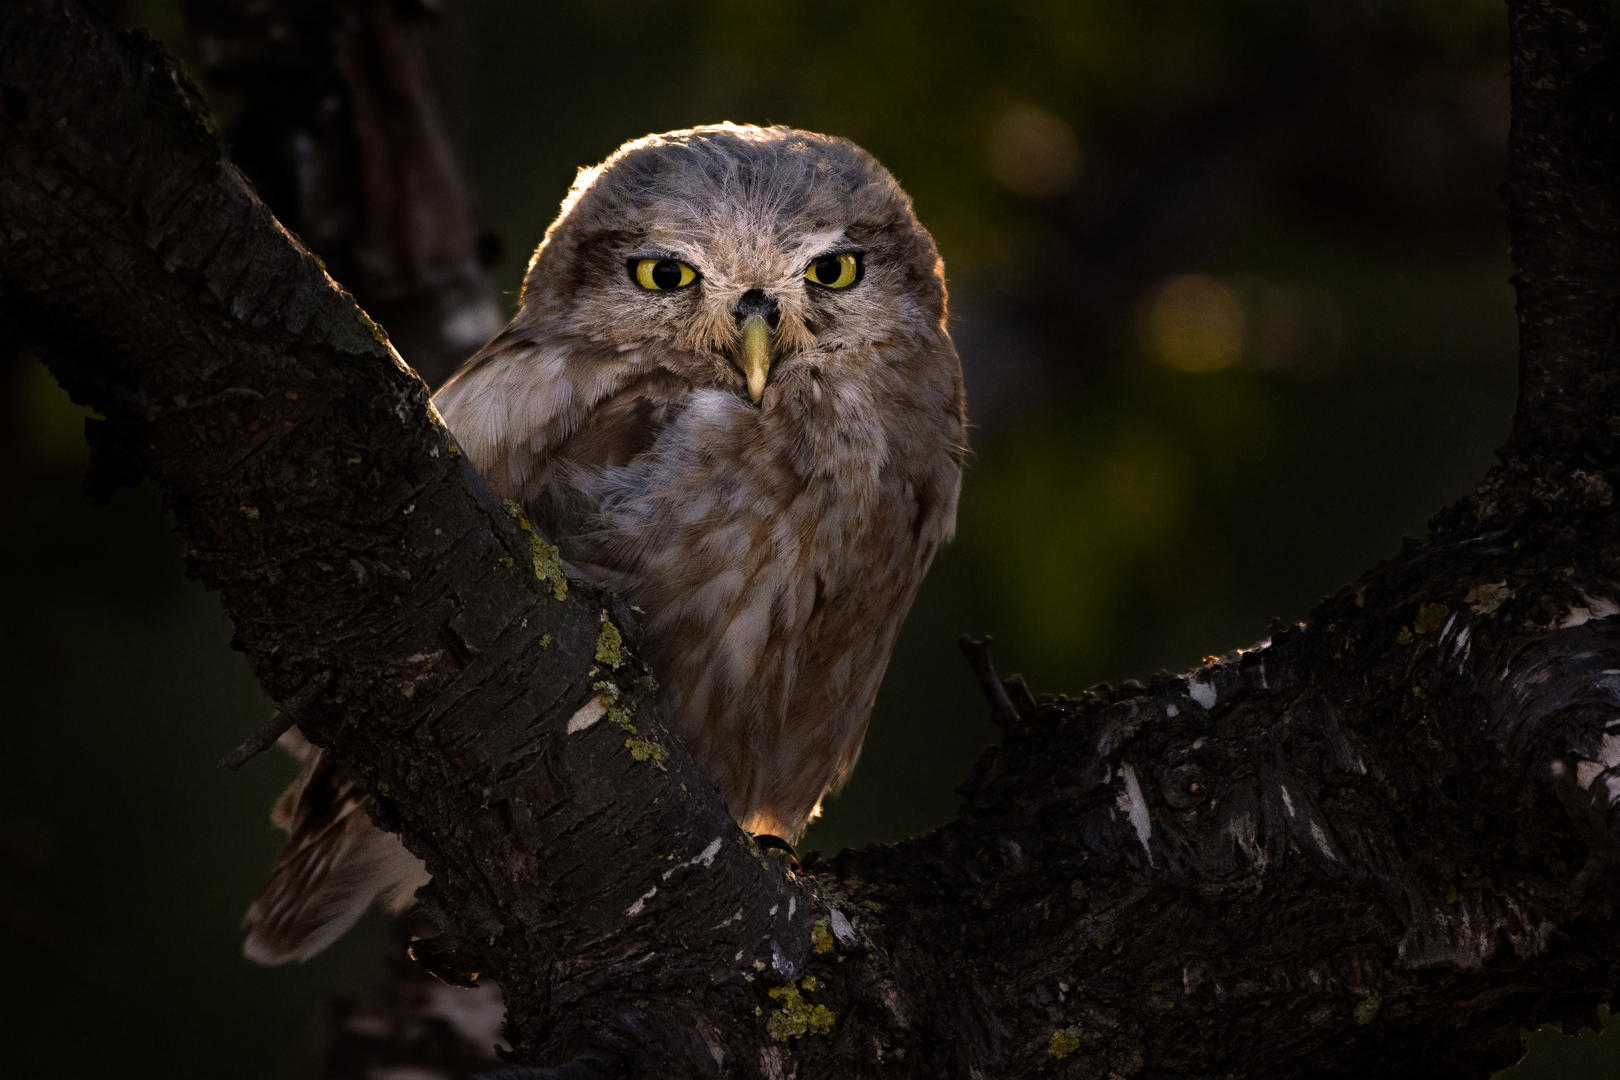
[{"x": 755, "y": 358}]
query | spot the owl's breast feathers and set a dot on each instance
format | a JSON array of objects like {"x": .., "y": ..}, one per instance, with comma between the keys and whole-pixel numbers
[{"x": 775, "y": 549}]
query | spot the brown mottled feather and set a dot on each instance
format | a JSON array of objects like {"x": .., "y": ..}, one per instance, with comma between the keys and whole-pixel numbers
[
  {"x": 774, "y": 546},
  {"x": 335, "y": 864}
]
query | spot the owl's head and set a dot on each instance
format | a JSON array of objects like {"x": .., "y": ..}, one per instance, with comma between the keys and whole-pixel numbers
[{"x": 736, "y": 254}]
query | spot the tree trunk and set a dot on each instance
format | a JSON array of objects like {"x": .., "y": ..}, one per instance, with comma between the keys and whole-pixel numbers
[{"x": 1378, "y": 843}]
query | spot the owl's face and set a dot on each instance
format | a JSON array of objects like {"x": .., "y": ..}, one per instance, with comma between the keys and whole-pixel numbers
[{"x": 736, "y": 257}]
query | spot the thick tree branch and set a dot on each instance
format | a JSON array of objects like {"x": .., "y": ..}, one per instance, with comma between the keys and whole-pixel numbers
[
  {"x": 1380, "y": 842},
  {"x": 1564, "y": 160}
]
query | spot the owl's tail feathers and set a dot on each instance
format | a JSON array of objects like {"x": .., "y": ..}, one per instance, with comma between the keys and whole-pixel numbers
[{"x": 335, "y": 864}]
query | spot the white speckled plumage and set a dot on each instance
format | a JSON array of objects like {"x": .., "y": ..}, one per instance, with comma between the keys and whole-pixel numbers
[{"x": 775, "y": 546}]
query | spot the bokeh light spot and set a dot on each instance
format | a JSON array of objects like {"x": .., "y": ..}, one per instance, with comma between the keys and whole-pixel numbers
[
  {"x": 1033, "y": 152},
  {"x": 1192, "y": 322}
]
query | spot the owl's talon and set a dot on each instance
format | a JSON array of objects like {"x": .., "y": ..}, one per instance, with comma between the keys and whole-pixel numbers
[{"x": 776, "y": 845}]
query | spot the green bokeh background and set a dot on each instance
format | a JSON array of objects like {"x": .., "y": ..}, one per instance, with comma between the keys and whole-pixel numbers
[{"x": 1270, "y": 391}]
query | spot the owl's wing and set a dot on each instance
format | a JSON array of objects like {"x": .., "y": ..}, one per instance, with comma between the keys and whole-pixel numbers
[
  {"x": 549, "y": 426},
  {"x": 515, "y": 403},
  {"x": 335, "y": 864}
]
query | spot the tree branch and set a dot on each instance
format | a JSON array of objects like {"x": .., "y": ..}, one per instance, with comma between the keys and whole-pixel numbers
[
  {"x": 1564, "y": 159},
  {"x": 1380, "y": 841}
]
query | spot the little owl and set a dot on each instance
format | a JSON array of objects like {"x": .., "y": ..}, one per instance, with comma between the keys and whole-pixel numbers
[{"x": 730, "y": 397}]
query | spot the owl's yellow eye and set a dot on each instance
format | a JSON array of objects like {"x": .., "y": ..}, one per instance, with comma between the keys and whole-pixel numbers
[
  {"x": 835, "y": 271},
  {"x": 658, "y": 274}
]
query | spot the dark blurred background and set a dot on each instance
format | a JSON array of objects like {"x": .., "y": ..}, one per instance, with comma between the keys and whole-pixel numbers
[{"x": 1230, "y": 285}]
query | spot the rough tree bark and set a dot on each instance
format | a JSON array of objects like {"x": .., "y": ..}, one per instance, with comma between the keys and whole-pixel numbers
[{"x": 1378, "y": 843}]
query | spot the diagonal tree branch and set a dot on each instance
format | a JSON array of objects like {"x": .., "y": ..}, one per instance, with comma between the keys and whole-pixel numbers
[{"x": 1381, "y": 841}]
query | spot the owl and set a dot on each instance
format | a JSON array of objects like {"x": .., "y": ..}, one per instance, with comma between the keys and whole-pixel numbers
[{"x": 730, "y": 396}]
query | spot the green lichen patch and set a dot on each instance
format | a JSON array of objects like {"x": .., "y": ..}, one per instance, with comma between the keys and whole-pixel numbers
[
  {"x": 609, "y": 644},
  {"x": 548, "y": 566},
  {"x": 1484, "y": 599},
  {"x": 1404, "y": 636},
  {"x": 1430, "y": 617},
  {"x": 545, "y": 641},
  {"x": 378, "y": 334},
  {"x": 646, "y": 750},
  {"x": 793, "y": 1016},
  {"x": 821, "y": 938},
  {"x": 544, "y": 557},
  {"x": 1366, "y": 1010},
  {"x": 617, "y": 712},
  {"x": 1063, "y": 1043}
]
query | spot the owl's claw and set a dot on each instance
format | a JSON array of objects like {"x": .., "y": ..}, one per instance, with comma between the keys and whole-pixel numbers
[{"x": 768, "y": 843}]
